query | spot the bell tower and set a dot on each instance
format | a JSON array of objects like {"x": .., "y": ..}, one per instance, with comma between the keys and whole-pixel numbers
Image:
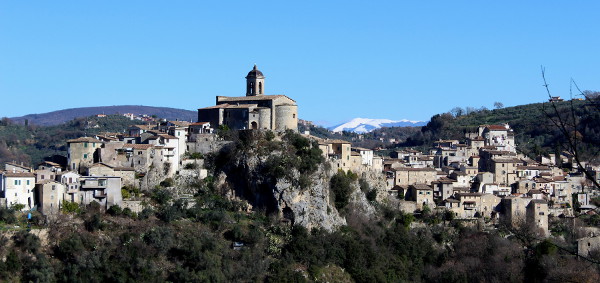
[{"x": 255, "y": 82}]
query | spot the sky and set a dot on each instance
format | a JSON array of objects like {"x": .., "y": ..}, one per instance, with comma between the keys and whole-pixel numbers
[{"x": 338, "y": 59}]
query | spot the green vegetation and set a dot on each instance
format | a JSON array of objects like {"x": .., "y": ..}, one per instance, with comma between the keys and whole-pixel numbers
[
  {"x": 341, "y": 188},
  {"x": 535, "y": 133},
  {"x": 31, "y": 144}
]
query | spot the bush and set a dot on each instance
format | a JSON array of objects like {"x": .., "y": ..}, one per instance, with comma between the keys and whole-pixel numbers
[
  {"x": 168, "y": 182},
  {"x": 114, "y": 210},
  {"x": 340, "y": 186},
  {"x": 8, "y": 215},
  {"x": 17, "y": 207},
  {"x": 161, "y": 196},
  {"x": 70, "y": 207},
  {"x": 190, "y": 166}
]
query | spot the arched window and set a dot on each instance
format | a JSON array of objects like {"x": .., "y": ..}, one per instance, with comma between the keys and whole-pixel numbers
[
  {"x": 251, "y": 88},
  {"x": 260, "y": 88}
]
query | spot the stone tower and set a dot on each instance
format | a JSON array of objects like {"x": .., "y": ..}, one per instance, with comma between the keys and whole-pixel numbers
[{"x": 255, "y": 83}]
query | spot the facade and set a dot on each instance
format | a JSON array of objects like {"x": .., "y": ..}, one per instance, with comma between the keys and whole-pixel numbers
[
  {"x": 253, "y": 111},
  {"x": 51, "y": 194},
  {"x": 80, "y": 153},
  {"x": 17, "y": 188},
  {"x": 405, "y": 176},
  {"x": 104, "y": 190}
]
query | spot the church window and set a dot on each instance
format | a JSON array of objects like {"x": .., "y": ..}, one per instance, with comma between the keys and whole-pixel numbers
[{"x": 259, "y": 87}]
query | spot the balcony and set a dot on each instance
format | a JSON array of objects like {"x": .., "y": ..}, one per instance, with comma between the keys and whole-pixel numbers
[{"x": 99, "y": 194}]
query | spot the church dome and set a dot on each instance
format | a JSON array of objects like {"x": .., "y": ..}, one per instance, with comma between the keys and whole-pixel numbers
[{"x": 255, "y": 73}]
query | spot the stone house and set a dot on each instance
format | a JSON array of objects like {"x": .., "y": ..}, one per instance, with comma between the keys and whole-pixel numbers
[
  {"x": 19, "y": 168},
  {"x": 422, "y": 194},
  {"x": 17, "y": 188},
  {"x": 81, "y": 153},
  {"x": 505, "y": 170},
  {"x": 51, "y": 195},
  {"x": 442, "y": 188},
  {"x": 537, "y": 216},
  {"x": 405, "y": 176},
  {"x": 513, "y": 210},
  {"x": 106, "y": 190},
  {"x": 586, "y": 246}
]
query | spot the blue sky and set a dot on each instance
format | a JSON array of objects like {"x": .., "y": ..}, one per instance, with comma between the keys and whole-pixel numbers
[{"x": 337, "y": 59}]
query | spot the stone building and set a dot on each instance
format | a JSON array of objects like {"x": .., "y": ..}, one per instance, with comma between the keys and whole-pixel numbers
[
  {"x": 81, "y": 153},
  {"x": 253, "y": 111},
  {"x": 51, "y": 194},
  {"x": 537, "y": 216}
]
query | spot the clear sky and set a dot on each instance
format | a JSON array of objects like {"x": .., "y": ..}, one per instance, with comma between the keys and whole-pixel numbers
[{"x": 337, "y": 59}]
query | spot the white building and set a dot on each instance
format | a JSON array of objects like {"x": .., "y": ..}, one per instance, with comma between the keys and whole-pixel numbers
[{"x": 17, "y": 188}]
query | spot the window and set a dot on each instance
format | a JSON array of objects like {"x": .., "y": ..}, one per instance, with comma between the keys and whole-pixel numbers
[
  {"x": 102, "y": 182},
  {"x": 93, "y": 144},
  {"x": 53, "y": 187},
  {"x": 293, "y": 115},
  {"x": 85, "y": 144},
  {"x": 27, "y": 182},
  {"x": 85, "y": 156}
]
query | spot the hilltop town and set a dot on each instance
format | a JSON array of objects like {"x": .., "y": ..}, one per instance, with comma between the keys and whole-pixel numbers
[{"x": 480, "y": 180}]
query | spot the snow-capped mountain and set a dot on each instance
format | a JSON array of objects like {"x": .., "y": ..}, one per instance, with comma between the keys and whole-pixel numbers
[{"x": 365, "y": 125}]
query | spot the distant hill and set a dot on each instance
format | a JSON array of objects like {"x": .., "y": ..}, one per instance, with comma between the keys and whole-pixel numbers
[
  {"x": 365, "y": 125},
  {"x": 61, "y": 116}
]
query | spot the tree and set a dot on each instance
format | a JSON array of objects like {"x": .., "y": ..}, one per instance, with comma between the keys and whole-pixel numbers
[{"x": 498, "y": 105}]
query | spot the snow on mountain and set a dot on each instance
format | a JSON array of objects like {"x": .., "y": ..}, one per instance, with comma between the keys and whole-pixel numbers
[{"x": 365, "y": 125}]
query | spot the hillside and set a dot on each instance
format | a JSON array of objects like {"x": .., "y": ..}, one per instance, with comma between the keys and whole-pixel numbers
[
  {"x": 61, "y": 116},
  {"x": 31, "y": 144},
  {"x": 535, "y": 133}
]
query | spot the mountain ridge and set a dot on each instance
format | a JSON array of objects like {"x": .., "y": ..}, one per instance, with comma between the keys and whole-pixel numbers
[
  {"x": 365, "y": 125},
  {"x": 60, "y": 116}
]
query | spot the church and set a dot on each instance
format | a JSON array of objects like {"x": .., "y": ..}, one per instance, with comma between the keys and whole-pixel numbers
[{"x": 253, "y": 111}]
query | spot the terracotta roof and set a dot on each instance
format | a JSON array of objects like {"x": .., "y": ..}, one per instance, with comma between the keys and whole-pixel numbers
[
  {"x": 250, "y": 98},
  {"x": 17, "y": 174},
  {"x": 84, "y": 139},
  {"x": 421, "y": 187},
  {"x": 50, "y": 163},
  {"x": 168, "y": 136},
  {"x": 230, "y": 106},
  {"x": 414, "y": 169},
  {"x": 199, "y": 123},
  {"x": 497, "y": 127}
]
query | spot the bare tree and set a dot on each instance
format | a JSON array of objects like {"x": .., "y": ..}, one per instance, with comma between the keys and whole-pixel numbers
[
  {"x": 567, "y": 122},
  {"x": 498, "y": 105}
]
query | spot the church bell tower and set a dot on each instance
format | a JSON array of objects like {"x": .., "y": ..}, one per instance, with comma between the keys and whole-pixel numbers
[{"x": 255, "y": 83}]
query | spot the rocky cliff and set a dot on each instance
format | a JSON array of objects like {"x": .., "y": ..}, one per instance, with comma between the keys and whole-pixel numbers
[{"x": 272, "y": 175}]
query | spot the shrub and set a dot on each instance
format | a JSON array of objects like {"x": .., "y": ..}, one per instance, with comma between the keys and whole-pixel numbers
[
  {"x": 161, "y": 196},
  {"x": 168, "y": 182},
  {"x": 8, "y": 215},
  {"x": 340, "y": 186},
  {"x": 17, "y": 207},
  {"x": 114, "y": 210},
  {"x": 70, "y": 207},
  {"x": 190, "y": 166}
]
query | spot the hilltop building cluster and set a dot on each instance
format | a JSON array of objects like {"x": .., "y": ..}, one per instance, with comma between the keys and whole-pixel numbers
[{"x": 481, "y": 176}]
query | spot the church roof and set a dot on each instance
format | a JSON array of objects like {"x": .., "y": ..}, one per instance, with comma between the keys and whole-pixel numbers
[
  {"x": 255, "y": 73},
  {"x": 230, "y": 106},
  {"x": 251, "y": 98}
]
